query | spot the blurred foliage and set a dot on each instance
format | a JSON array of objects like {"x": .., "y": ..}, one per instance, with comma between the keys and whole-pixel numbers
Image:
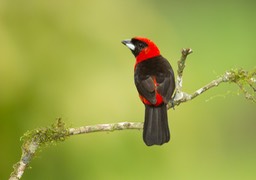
[{"x": 65, "y": 59}]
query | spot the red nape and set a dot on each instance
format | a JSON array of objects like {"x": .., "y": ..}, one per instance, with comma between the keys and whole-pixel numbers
[{"x": 149, "y": 52}]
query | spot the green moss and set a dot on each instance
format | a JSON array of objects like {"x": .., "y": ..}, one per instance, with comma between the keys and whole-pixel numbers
[
  {"x": 246, "y": 80},
  {"x": 37, "y": 138},
  {"x": 47, "y": 135}
]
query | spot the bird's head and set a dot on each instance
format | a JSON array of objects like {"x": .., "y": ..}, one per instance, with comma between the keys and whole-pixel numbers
[{"x": 142, "y": 48}]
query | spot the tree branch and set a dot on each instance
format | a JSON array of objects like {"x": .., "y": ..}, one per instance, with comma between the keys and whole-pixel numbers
[
  {"x": 246, "y": 81},
  {"x": 35, "y": 139},
  {"x": 105, "y": 127}
]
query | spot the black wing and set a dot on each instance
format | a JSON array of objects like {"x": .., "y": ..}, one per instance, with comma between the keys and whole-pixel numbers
[
  {"x": 153, "y": 75},
  {"x": 166, "y": 85},
  {"x": 146, "y": 87}
]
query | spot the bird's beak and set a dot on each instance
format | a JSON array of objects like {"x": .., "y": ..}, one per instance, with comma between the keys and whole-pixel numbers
[{"x": 129, "y": 44}]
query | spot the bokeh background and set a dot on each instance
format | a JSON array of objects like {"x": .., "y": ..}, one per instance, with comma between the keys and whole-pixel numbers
[{"x": 65, "y": 59}]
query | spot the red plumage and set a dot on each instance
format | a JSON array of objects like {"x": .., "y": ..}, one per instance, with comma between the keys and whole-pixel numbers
[{"x": 150, "y": 51}]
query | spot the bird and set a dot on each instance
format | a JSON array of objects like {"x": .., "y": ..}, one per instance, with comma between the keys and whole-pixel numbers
[{"x": 154, "y": 80}]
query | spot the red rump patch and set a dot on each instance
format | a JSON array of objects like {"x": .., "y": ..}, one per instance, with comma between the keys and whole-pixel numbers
[{"x": 159, "y": 99}]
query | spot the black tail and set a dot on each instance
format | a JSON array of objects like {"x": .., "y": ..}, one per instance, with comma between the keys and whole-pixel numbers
[{"x": 156, "y": 130}]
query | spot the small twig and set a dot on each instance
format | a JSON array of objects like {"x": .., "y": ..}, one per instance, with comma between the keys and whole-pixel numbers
[
  {"x": 181, "y": 66},
  {"x": 179, "y": 95},
  {"x": 230, "y": 76}
]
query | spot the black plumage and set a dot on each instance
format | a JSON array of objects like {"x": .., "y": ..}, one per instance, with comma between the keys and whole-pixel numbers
[{"x": 155, "y": 75}]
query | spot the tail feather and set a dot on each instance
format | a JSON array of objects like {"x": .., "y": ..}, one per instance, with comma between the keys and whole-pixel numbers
[{"x": 156, "y": 130}]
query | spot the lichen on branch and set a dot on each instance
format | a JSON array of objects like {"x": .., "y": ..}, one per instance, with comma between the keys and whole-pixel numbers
[
  {"x": 35, "y": 139},
  {"x": 47, "y": 135},
  {"x": 246, "y": 81}
]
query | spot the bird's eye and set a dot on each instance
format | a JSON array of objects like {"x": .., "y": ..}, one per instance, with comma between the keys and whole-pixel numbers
[{"x": 141, "y": 45}]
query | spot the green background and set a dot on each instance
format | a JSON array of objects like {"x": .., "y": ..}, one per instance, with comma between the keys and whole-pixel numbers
[{"x": 65, "y": 59}]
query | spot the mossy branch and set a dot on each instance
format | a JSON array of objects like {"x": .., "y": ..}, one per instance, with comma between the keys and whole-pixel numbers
[
  {"x": 33, "y": 140},
  {"x": 41, "y": 137}
]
